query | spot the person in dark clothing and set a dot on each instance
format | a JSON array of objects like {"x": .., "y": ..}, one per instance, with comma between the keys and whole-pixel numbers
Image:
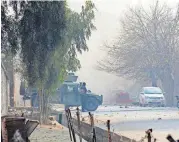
[
  {"x": 83, "y": 88},
  {"x": 34, "y": 100},
  {"x": 81, "y": 83},
  {"x": 83, "y": 91}
]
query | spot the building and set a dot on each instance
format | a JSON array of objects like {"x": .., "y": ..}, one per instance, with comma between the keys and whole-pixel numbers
[{"x": 5, "y": 91}]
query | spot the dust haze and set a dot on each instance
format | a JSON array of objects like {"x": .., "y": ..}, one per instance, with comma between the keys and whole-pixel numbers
[{"x": 107, "y": 19}]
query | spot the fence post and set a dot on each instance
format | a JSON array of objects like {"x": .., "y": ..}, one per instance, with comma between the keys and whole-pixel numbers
[
  {"x": 73, "y": 131},
  {"x": 109, "y": 133},
  {"x": 93, "y": 129},
  {"x": 170, "y": 138},
  {"x": 68, "y": 123},
  {"x": 79, "y": 124},
  {"x": 149, "y": 137}
]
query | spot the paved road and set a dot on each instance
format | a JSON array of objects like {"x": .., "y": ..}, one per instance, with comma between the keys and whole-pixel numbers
[
  {"x": 112, "y": 109},
  {"x": 102, "y": 109},
  {"x": 159, "y": 125},
  {"x": 138, "y": 124},
  {"x": 162, "y": 120},
  {"x": 133, "y": 121},
  {"x": 108, "y": 108},
  {"x": 155, "y": 116}
]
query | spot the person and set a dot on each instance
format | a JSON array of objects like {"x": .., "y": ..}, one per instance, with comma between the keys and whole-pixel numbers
[
  {"x": 79, "y": 87},
  {"x": 83, "y": 88},
  {"x": 34, "y": 100}
]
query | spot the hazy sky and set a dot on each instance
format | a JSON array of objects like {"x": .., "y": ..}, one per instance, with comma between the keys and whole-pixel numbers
[{"x": 107, "y": 22}]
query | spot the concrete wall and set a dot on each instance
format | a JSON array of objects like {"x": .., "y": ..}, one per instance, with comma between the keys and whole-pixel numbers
[
  {"x": 18, "y": 99},
  {"x": 5, "y": 102}
]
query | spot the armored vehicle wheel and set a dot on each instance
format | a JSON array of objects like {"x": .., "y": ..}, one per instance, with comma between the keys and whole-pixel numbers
[{"x": 91, "y": 104}]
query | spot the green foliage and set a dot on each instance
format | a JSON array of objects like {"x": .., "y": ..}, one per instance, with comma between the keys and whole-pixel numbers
[
  {"x": 48, "y": 35},
  {"x": 78, "y": 30},
  {"x": 41, "y": 30},
  {"x": 8, "y": 31}
]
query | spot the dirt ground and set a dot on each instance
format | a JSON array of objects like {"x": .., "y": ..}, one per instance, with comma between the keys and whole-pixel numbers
[{"x": 51, "y": 134}]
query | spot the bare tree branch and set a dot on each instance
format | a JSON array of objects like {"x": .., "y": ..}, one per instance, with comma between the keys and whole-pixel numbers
[{"x": 148, "y": 40}]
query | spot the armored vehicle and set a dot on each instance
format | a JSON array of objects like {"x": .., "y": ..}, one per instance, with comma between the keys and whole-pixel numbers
[{"x": 71, "y": 95}]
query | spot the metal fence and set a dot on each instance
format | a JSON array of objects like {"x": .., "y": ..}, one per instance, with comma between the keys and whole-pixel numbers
[
  {"x": 91, "y": 133},
  {"x": 5, "y": 84}
]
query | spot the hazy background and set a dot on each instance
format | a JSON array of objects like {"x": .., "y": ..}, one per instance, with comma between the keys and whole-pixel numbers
[{"x": 107, "y": 19}]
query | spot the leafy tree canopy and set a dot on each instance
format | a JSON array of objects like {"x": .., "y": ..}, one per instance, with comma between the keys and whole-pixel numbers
[{"x": 48, "y": 35}]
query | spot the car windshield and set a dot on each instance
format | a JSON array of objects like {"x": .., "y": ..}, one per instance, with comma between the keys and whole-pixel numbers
[{"x": 152, "y": 91}]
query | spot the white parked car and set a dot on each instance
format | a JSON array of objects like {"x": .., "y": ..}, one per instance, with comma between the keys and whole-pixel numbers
[{"x": 151, "y": 96}]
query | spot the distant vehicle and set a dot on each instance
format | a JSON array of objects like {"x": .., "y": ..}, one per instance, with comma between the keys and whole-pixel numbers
[
  {"x": 70, "y": 95},
  {"x": 123, "y": 98},
  {"x": 119, "y": 97},
  {"x": 152, "y": 96}
]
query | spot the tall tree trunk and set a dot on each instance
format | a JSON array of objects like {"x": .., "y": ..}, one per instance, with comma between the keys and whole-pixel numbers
[
  {"x": 41, "y": 104},
  {"x": 45, "y": 108},
  {"x": 153, "y": 79},
  {"x": 176, "y": 81},
  {"x": 176, "y": 88},
  {"x": 154, "y": 82},
  {"x": 168, "y": 86},
  {"x": 12, "y": 91}
]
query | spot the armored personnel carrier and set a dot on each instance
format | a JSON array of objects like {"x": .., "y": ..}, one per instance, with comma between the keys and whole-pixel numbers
[{"x": 70, "y": 95}]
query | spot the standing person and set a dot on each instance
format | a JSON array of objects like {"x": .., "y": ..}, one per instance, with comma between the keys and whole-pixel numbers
[
  {"x": 83, "y": 88},
  {"x": 79, "y": 86},
  {"x": 34, "y": 100}
]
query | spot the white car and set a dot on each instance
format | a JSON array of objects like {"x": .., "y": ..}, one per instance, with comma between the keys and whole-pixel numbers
[{"x": 151, "y": 96}]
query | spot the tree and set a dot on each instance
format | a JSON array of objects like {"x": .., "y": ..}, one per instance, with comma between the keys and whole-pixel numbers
[
  {"x": 48, "y": 36},
  {"x": 147, "y": 47},
  {"x": 36, "y": 29},
  {"x": 43, "y": 27},
  {"x": 78, "y": 29}
]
